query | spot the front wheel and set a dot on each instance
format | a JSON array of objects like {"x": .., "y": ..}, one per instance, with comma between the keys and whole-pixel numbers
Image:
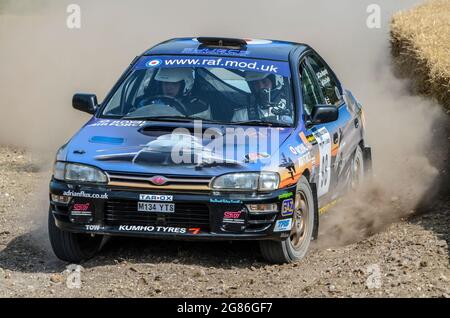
[
  {"x": 72, "y": 247},
  {"x": 297, "y": 244}
]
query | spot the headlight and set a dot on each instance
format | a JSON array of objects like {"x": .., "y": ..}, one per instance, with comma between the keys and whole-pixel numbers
[
  {"x": 268, "y": 181},
  {"x": 78, "y": 172},
  {"x": 58, "y": 170},
  {"x": 264, "y": 181}
]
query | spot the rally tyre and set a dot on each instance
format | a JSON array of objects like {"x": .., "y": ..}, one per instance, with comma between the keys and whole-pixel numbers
[
  {"x": 296, "y": 245},
  {"x": 357, "y": 170},
  {"x": 72, "y": 247}
]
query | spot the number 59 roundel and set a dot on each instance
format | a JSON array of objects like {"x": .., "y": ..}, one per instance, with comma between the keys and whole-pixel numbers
[{"x": 324, "y": 142}]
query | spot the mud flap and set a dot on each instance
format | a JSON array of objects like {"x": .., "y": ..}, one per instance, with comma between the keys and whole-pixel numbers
[
  {"x": 367, "y": 155},
  {"x": 316, "y": 211}
]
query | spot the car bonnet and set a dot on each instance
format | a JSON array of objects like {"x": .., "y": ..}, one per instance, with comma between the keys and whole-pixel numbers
[{"x": 148, "y": 147}]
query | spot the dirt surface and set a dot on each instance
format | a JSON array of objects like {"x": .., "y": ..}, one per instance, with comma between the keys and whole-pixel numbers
[{"x": 409, "y": 258}]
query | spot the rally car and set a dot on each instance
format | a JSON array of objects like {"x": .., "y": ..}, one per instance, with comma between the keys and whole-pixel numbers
[{"x": 210, "y": 139}]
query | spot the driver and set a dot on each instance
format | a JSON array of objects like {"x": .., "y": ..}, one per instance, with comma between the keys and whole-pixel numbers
[
  {"x": 176, "y": 84},
  {"x": 269, "y": 98}
]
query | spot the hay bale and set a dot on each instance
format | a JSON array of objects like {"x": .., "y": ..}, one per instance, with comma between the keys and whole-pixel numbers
[{"x": 420, "y": 44}]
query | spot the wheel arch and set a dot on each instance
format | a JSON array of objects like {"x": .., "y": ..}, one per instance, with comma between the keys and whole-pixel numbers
[
  {"x": 307, "y": 174},
  {"x": 367, "y": 156}
]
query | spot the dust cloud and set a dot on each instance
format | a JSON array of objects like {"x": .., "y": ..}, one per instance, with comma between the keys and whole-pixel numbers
[{"x": 43, "y": 63}]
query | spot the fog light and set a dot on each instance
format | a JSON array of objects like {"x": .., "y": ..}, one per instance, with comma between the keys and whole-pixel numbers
[
  {"x": 262, "y": 208},
  {"x": 61, "y": 198}
]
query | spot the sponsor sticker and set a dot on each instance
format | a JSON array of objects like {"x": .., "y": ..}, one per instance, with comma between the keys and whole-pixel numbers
[
  {"x": 292, "y": 149},
  {"x": 194, "y": 230},
  {"x": 118, "y": 123},
  {"x": 305, "y": 140},
  {"x": 328, "y": 206},
  {"x": 305, "y": 159},
  {"x": 323, "y": 77},
  {"x": 151, "y": 228},
  {"x": 238, "y": 63},
  {"x": 287, "y": 207},
  {"x": 94, "y": 227},
  {"x": 154, "y": 63},
  {"x": 311, "y": 139},
  {"x": 254, "y": 156},
  {"x": 83, "y": 194},
  {"x": 285, "y": 195},
  {"x": 233, "y": 217},
  {"x": 298, "y": 150},
  {"x": 81, "y": 209},
  {"x": 283, "y": 225},
  {"x": 156, "y": 197},
  {"x": 226, "y": 201},
  {"x": 213, "y": 51}
]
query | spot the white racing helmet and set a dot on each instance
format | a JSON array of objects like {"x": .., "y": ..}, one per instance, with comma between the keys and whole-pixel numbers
[
  {"x": 178, "y": 74},
  {"x": 277, "y": 80}
]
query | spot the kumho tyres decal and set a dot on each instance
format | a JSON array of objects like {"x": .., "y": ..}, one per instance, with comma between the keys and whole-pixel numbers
[
  {"x": 151, "y": 228},
  {"x": 266, "y": 66}
]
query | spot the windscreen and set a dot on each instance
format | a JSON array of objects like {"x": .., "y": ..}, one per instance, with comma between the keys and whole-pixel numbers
[{"x": 218, "y": 89}]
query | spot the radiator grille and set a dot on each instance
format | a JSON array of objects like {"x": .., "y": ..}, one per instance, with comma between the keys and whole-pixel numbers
[{"x": 185, "y": 215}]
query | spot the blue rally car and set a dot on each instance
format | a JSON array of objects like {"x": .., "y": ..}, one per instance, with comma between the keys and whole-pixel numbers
[{"x": 214, "y": 139}]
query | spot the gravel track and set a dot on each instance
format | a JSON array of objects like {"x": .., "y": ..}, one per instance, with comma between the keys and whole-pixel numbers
[{"x": 408, "y": 258}]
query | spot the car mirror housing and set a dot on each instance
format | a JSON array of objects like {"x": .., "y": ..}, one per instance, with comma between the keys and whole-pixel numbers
[
  {"x": 85, "y": 102},
  {"x": 324, "y": 114}
]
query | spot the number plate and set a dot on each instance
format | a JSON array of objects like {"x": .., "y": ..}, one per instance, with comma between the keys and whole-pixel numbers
[{"x": 156, "y": 207}]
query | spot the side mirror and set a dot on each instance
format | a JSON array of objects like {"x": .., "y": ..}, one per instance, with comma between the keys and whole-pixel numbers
[
  {"x": 323, "y": 114},
  {"x": 85, "y": 102}
]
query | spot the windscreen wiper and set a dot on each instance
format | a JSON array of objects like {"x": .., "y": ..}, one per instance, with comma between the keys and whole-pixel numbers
[
  {"x": 204, "y": 164},
  {"x": 172, "y": 118},
  {"x": 260, "y": 123},
  {"x": 156, "y": 118}
]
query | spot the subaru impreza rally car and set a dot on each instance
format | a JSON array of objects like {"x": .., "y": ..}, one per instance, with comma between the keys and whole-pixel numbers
[{"x": 213, "y": 139}]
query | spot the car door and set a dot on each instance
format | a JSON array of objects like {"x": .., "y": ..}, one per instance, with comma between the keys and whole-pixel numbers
[
  {"x": 319, "y": 137},
  {"x": 343, "y": 132}
]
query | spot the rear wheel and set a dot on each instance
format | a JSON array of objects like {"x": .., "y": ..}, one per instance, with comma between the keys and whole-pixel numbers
[
  {"x": 72, "y": 247},
  {"x": 296, "y": 245}
]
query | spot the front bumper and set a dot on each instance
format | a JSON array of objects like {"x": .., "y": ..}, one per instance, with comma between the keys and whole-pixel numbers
[{"x": 114, "y": 211}]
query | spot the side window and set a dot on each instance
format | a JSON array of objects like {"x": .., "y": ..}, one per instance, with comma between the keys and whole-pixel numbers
[
  {"x": 141, "y": 92},
  {"x": 327, "y": 82},
  {"x": 310, "y": 92}
]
